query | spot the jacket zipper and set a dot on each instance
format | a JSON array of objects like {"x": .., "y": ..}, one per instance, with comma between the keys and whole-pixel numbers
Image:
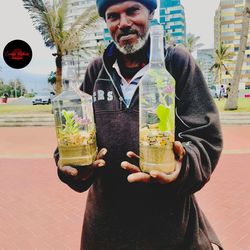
[
  {"x": 133, "y": 97},
  {"x": 121, "y": 100}
]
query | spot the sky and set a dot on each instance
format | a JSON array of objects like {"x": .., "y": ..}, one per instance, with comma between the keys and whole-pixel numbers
[
  {"x": 200, "y": 19},
  {"x": 15, "y": 23}
]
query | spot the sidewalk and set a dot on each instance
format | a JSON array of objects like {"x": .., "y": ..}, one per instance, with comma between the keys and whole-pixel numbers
[{"x": 37, "y": 211}]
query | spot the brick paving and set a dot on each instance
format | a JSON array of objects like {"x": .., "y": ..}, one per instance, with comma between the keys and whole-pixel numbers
[{"x": 37, "y": 211}]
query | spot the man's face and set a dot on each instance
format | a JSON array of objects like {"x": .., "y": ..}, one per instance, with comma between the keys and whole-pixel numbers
[{"x": 128, "y": 23}]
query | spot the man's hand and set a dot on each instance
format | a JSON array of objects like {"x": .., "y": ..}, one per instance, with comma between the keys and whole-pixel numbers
[
  {"x": 156, "y": 176},
  {"x": 84, "y": 172}
]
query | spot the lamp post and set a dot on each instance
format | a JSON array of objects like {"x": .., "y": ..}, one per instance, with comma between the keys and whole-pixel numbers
[{"x": 15, "y": 87}]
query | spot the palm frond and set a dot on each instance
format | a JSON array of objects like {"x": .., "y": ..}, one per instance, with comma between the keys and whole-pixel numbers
[
  {"x": 192, "y": 42},
  {"x": 38, "y": 10},
  {"x": 78, "y": 30}
]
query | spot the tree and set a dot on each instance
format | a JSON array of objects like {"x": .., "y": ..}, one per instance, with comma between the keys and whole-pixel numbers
[
  {"x": 52, "y": 78},
  {"x": 17, "y": 88},
  {"x": 100, "y": 48},
  {"x": 170, "y": 40},
  {"x": 232, "y": 101},
  {"x": 14, "y": 88},
  {"x": 223, "y": 55},
  {"x": 192, "y": 42},
  {"x": 49, "y": 19}
]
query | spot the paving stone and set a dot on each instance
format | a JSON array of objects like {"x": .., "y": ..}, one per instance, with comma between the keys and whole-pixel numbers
[{"x": 37, "y": 211}]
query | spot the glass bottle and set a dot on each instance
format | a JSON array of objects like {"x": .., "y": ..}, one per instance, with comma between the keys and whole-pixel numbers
[
  {"x": 157, "y": 110},
  {"x": 74, "y": 122}
]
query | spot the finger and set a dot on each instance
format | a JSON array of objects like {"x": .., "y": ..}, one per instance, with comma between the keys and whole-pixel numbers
[
  {"x": 130, "y": 167},
  {"x": 101, "y": 153},
  {"x": 179, "y": 150},
  {"x": 166, "y": 178},
  {"x": 68, "y": 170},
  {"x": 98, "y": 163},
  {"x": 139, "y": 177},
  {"x": 131, "y": 154}
]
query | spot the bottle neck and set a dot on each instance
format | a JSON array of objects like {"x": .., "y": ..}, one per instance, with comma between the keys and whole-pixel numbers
[{"x": 156, "y": 51}]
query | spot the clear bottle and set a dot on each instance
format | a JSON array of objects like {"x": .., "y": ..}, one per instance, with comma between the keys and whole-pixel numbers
[
  {"x": 75, "y": 127},
  {"x": 157, "y": 110}
]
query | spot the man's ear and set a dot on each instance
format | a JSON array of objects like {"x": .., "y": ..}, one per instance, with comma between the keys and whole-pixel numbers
[{"x": 151, "y": 15}]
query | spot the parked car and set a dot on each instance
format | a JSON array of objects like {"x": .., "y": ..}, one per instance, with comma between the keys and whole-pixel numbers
[{"x": 43, "y": 98}]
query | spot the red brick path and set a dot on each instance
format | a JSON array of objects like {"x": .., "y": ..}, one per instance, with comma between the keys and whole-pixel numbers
[{"x": 38, "y": 212}]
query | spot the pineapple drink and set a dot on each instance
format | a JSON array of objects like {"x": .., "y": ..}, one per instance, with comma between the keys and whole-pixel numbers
[{"x": 157, "y": 111}]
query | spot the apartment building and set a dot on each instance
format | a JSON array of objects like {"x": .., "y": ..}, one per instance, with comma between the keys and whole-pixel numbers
[
  {"x": 205, "y": 58},
  {"x": 228, "y": 25},
  {"x": 172, "y": 17},
  {"x": 78, "y": 60}
]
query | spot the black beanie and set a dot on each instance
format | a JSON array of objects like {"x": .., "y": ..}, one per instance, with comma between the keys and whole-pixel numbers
[{"x": 102, "y": 5}]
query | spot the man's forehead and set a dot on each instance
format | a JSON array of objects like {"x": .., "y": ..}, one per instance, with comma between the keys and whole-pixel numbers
[{"x": 123, "y": 6}]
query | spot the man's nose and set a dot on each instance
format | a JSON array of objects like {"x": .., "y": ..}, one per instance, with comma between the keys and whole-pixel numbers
[{"x": 124, "y": 21}]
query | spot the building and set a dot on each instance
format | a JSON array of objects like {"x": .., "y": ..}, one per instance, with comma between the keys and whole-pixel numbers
[
  {"x": 172, "y": 17},
  {"x": 78, "y": 60},
  {"x": 205, "y": 58},
  {"x": 228, "y": 25}
]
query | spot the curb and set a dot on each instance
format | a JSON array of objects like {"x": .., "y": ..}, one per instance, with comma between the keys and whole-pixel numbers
[
  {"x": 25, "y": 120},
  {"x": 235, "y": 118}
]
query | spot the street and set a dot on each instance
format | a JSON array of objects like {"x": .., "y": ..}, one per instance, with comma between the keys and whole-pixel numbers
[{"x": 37, "y": 211}]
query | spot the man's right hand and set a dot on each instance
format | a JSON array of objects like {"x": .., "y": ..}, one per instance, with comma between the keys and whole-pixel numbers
[{"x": 82, "y": 173}]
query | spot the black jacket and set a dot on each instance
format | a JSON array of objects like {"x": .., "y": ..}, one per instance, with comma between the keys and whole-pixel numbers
[{"x": 121, "y": 215}]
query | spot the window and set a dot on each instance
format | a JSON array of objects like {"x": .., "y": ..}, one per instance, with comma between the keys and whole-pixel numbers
[{"x": 75, "y": 4}]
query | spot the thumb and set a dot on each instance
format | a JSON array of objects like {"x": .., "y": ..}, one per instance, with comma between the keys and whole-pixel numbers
[
  {"x": 68, "y": 170},
  {"x": 179, "y": 150}
]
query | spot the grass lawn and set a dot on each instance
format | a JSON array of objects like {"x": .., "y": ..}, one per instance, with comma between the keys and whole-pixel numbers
[
  {"x": 243, "y": 105},
  {"x": 25, "y": 109}
]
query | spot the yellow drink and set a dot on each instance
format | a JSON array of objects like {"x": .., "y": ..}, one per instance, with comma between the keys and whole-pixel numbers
[
  {"x": 159, "y": 158},
  {"x": 156, "y": 150},
  {"x": 82, "y": 155}
]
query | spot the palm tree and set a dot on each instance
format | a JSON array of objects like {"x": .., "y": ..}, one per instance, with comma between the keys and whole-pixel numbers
[
  {"x": 100, "y": 48},
  {"x": 49, "y": 19},
  {"x": 232, "y": 101},
  {"x": 170, "y": 40},
  {"x": 222, "y": 56},
  {"x": 52, "y": 78},
  {"x": 192, "y": 43}
]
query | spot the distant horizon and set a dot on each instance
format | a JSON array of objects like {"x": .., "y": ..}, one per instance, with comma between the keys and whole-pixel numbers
[{"x": 35, "y": 81}]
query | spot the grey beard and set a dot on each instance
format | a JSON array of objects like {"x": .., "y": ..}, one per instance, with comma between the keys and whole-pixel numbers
[{"x": 128, "y": 49}]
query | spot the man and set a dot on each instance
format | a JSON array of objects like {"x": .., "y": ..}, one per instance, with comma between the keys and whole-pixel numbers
[
  {"x": 222, "y": 92},
  {"x": 128, "y": 209},
  {"x": 228, "y": 89}
]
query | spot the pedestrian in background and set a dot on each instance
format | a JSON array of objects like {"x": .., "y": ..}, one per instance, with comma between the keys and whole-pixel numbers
[
  {"x": 228, "y": 89},
  {"x": 222, "y": 92}
]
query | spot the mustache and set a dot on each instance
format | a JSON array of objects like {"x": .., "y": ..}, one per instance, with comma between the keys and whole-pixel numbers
[{"x": 127, "y": 32}]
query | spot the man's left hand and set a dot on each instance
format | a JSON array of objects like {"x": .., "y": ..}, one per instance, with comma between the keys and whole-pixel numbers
[{"x": 154, "y": 176}]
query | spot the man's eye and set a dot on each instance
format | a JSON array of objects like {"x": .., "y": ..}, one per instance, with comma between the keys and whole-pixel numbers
[
  {"x": 132, "y": 11},
  {"x": 112, "y": 16}
]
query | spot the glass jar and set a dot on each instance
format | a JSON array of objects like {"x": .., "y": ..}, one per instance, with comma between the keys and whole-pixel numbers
[{"x": 75, "y": 127}]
